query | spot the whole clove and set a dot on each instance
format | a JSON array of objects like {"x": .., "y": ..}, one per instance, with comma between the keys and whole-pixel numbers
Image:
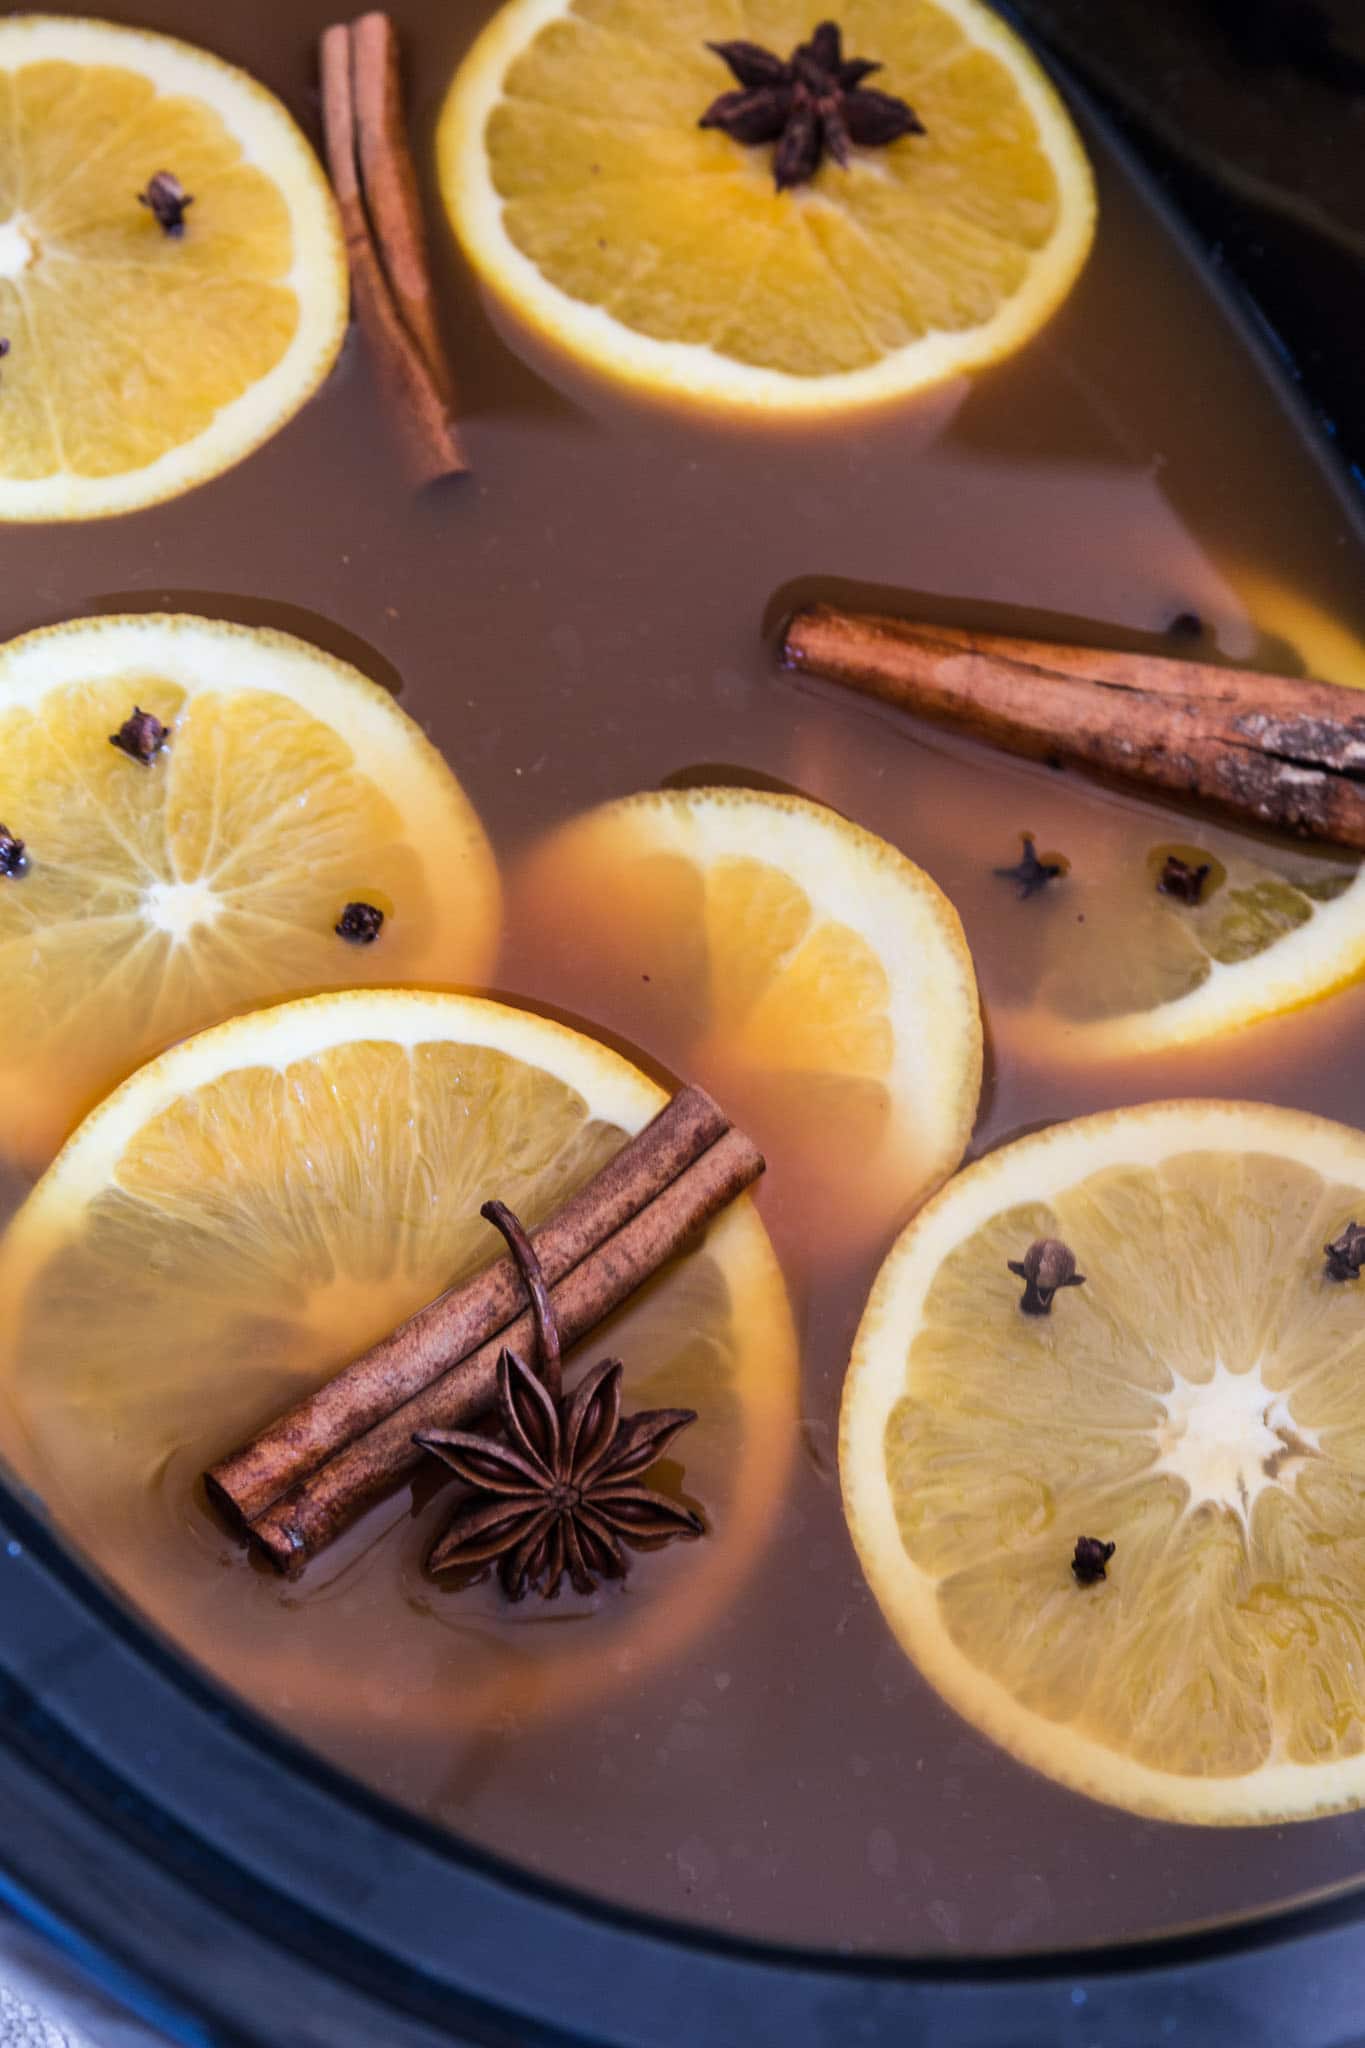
[{"x": 1046, "y": 1266}]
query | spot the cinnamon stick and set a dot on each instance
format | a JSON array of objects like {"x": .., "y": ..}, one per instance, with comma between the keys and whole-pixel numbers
[
  {"x": 376, "y": 191},
  {"x": 245, "y": 1483},
  {"x": 389, "y": 179},
  {"x": 314, "y": 1512},
  {"x": 1275, "y": 751}
]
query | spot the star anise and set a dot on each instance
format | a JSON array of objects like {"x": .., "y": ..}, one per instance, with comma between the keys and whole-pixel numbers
[
  {"x": 167, "y": 198},
  {"x": 1031, "y": 873},
  {"x": 562, "y": 1492},
  {"x": 812, "y": 105}
]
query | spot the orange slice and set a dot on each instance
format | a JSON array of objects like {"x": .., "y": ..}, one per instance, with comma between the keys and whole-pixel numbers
[
  {"x": 1198, "y": 1402},
  {"x": 261, "y": 1204},
  {"x": 586, "y": 194},
  {"x": 161, "y": 896},
  {"x": 806, "y": 970},
  {"x": 142, "y": 362}
]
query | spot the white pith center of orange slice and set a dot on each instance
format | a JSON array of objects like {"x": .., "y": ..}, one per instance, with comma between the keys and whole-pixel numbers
[
  {"x": 178, "y": 908},
  {"x": 1230, "y": 1437},
  {"x": 18, "y": 247}
]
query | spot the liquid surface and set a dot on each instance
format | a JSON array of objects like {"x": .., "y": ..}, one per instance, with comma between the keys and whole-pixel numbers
[{"x": 584, "y": 616}]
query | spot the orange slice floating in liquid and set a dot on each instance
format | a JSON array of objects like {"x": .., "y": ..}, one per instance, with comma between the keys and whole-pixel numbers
[{"x": 258, "y": 1206}]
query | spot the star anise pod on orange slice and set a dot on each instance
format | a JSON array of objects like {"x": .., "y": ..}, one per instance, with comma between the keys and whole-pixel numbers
[
  {"x": 562, "y": 1491},
  {"x": 815, "y": 104}
]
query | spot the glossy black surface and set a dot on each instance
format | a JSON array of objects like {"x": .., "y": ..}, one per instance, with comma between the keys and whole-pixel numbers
[{"x": 1251, "y": 115}]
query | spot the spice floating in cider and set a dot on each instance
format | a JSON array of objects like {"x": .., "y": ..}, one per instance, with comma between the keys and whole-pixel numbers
[
  {"x": 1276, "y": 751},
  {"x": 141, "y": 736},
  {"x": 360, "y": 923},
  {"x": 324, "y": 1119},
  {"x": 814, "y": 105},
  {"x": 375, "y": 182},
  {"x": 1090, "y": 1560},
  {"x": 167, "y": 200},
  {"x": 1170, "y": 948},
  {"x": 310, "y": 1474},
  {"x": 1345, "y": 1255},
  {"x": 1183, "y": 879},
  {"x": 1030, "y": 872},
  {"x": 13, "y": 854},
  {"x": 1047, "y": 1266},
  {"x": 563, "y": 1492}
]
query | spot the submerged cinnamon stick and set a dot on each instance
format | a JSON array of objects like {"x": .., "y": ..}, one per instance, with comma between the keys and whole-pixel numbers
[
  {"x": 376, "y": 190},
  {"x": 1271, "y": 750},
  {"x": 244, "y": 1484},
  {"x": 307, "y": 1518}
]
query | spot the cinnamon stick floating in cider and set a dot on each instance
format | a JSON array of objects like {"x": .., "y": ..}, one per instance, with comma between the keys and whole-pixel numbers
[
  {"x": 316, "y": 1511},
  {"x": 1275, "y": 751},
  {"x": 682, "y": 1176},
  {"x": 388, "y": 179},
  {"x": 463, "y": 1318},
  {"x": 376, "y": 190}
]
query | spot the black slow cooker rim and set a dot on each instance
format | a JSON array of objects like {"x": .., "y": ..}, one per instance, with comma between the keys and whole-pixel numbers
[{"x": 120, "y": 1848}]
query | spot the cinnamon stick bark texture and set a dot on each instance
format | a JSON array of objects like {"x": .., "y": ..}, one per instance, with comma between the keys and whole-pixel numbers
[
  {"x": 375, "y": 184},
  {"x": 1270, "y": 750},
  {"x": 389, "y": 181},
  {"x": 244, "y": 1484},
  {"x": 307, "y": 1518}
]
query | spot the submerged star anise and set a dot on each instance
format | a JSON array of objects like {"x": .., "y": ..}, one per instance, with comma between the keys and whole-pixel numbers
[
  {"x": 562, "y": 1491},
  {"x": 812, "y": 105}
]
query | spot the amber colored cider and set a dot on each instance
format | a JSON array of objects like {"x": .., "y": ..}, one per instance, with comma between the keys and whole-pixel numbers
[{"x": 584, "y": 616}]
